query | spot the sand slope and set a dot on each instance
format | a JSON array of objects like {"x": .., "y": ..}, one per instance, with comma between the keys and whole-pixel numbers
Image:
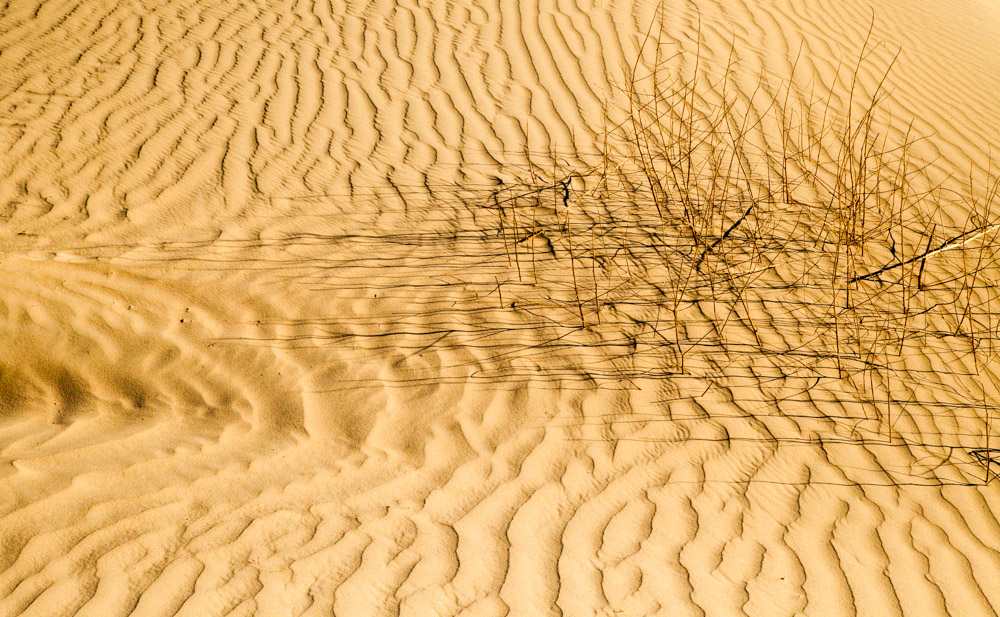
[{"x": 256, "y": 359}]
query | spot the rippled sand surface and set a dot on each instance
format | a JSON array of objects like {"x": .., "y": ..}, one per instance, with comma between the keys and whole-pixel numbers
[{"x": 264, "y": 350}]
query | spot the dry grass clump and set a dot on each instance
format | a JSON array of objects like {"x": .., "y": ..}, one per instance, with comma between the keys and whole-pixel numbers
[{"x": 761, "y": 227}]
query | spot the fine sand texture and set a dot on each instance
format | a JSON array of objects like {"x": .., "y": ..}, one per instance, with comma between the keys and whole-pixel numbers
[{"x": 495, "y": 307}]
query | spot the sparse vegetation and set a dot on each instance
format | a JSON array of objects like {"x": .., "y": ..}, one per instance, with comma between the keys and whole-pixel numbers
[{"x": 708, "y": 208}]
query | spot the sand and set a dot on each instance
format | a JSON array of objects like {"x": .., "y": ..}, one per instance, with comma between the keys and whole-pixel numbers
[{"x": 264, "y": 350}]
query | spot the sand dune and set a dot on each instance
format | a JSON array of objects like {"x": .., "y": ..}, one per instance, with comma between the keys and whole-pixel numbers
[{"x": 266, "y": 350}]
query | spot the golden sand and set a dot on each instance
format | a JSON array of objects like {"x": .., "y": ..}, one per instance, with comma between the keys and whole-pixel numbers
[{"x": 374, "y": 308}]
